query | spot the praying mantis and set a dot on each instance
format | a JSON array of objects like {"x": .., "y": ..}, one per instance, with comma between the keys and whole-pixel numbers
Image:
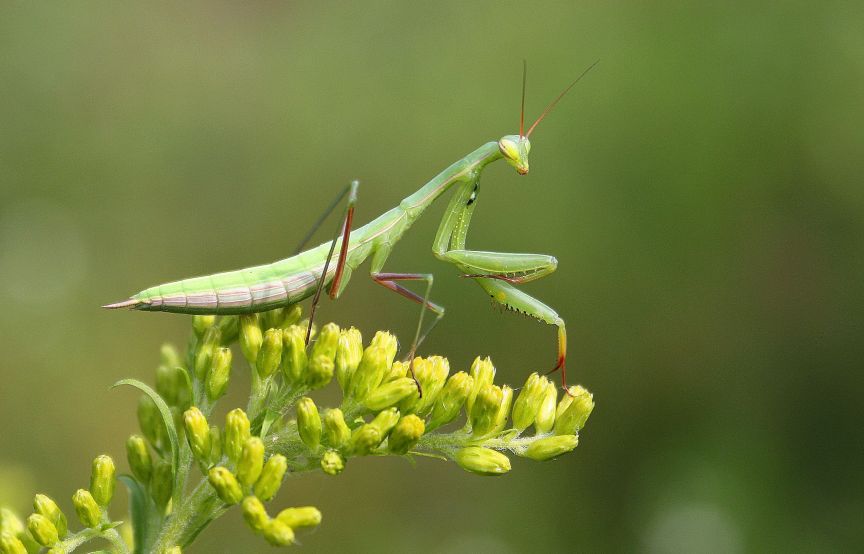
[{"x": 306, "y": 273}]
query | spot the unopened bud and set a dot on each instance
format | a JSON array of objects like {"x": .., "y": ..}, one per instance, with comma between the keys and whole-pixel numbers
[
  {"x": 45, "y": 505},
  {"x": 336, "y": 431},
  {"x": 483, "y": 373},
  {"x": 364, "y": 439},
  {"x": 271, "y": 477},
  {"x": 278, "y": 534},
  {"x": 528, "y": 402},
  {"x": 42, "y": 529},
  {"x": 307, "y": 516},
  {"x": 204, "y": 353},
  {"x": 290, "y": 316},
  {"x": 405, "y": 435},
  {"x": 325, "y": 344},
  {"x": 484, "y": 413},
  {"x": 250, "y": 337},
  {"x": 197, "y": 433},
  {"x": 138, "y": 456},
  {"x": 270, "y": 355},
  {"x": 10, "y": 523},
  {"x": 437, "y": 370},
  {"x": 545, "y": 419},
  {"x": 251, "y": 462},
  {"x": 308, "y": 423},
  {"x": 169, "y": 384},
  {"x": 319, "y": 372},
  {"x": 551, "y": 447},
  {"x": 10, "y": 544},
  {"x": 389, "y": 394},
  {"x": 200, "y": 324},
  {"x": 150, "y": 421},
  {"x": 388, "y": 342},
  {"x": 571, "y": 417},
  {"x": 236, "y": 433},
  {"x": 483, "y": 461},
  {"x": 215, "y": 444},
  {"x": 219, "y": 374},
  {"x": 332, "y": 463},
  {"x": 229, "y": 328},
  {"x": 369, "y": 373},
  {"x": 162, "y": 483},
  {"x": 385, "y": 421},
  {"x": 254, "y": 513},
  {"x": 102, "y": 479},
  {"x": 503, "y": 409},
  {"x": 397, "y": 370},
  {"x": 451, "y": 399},
  {"x": 349, "y": 352},
  {"x": 225, "y": 484},
  {"x": 88, "y": 511},
  {"x": 294, "y": 357}
]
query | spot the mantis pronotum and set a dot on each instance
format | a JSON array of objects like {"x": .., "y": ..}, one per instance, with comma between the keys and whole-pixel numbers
[{"x": 305, "y": 274}]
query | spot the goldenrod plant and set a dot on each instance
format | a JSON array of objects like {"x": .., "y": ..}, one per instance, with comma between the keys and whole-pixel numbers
[{"x": 188, "y": 465}]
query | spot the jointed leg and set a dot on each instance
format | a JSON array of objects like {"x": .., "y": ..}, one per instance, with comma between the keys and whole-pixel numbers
[{"x": 345, "y": 234}]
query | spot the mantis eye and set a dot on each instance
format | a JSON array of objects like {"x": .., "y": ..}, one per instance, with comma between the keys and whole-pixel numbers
[{"x": 508, "y": 148}]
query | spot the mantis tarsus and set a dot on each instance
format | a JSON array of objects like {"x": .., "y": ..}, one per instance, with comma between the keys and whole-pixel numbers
[{"x": 288, "y": 281}]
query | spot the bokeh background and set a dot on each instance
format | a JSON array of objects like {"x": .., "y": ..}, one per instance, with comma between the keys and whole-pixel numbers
[{"x": 701, "y": 189}]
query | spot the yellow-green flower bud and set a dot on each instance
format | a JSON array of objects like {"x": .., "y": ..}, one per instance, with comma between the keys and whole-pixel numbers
[
  {"x": 336, "y": 431},
  {"x": 397, "y": 370},
  {"x": 291, "y": 316},
  {"x": 42, "y": 529},
  {"x": 272, "y": 318},
  {"x": 308, "y": 423},
  {"x": 388, "y": 342},
  {"x": 484, "y": 413},
  {"x": 364, "y": 439},
  {"x": 349, "y": 352},
  {"x": 332, "y": 463},
  {"x": 405, "y": 435},
  {"x": 173, "y": 550},
  {"x": 388, "y": 394},
  {"x": 219, "y": 374},
  {"x": 236, "y": 433},
  {"x": 551, "y": 447},
  {"x": 150, "y": 421},
  {"x": 204, "y": 353},
  {"x": 319, "y": 372},
  {"x": 278, "y": 534},
  {"x": 10, "y": 544},
  {"x": 10, "y": 523},
  {"x": 162, "y": 483},
  {"x": 251, "y": 462},
  {"x": 225, "y": 484},
  {"x": 483, "y": 461},
  {"x": 197, "y": 433},
  {"x": 270, "y": 355},
  {"x": 169, "y": 356},
  {"x": 271, "y": 477},
  {"x": 307, "y": 516},
  {"x": 215, "y": 444},
  {"x": 483, "y": 373},
  {"x": 450, "y": 399},
  {"x": 89, "y": 512},
  {"x": 102, "y": 479},
  {"x": 254, "y": 513},
  {"x": 503, "y": 409},
  {"x": 572, "y": 417},
  {"x": 229, "y": 328},
  {"x": 294, "y": 357},
  {"x": 545, "y": 419},
  {"x": 528, "y": 402},
  {"x": 250, "y": 337},
  {"x": 45, "y": 505},
  {"x": 369, "y": 373},
  {"x": 138, "y": 455},
  {"x": 200, "y": 324},
  {"x": 166, "y": 384},
  {"x": 385, "y": 421},
  {"x": 435, "y": 376},
  {"x": 328, "y": 339}
]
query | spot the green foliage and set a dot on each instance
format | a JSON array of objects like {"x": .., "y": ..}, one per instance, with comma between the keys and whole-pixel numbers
[{"x": 282, "y": 430}]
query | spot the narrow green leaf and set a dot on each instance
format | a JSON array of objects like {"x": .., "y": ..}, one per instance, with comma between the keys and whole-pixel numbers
[
  {"x": 139, "y": 511},
  {"x": 166, "y": 419}
]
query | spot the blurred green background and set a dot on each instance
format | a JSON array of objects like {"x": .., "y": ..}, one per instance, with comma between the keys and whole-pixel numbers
[{"x": 701, "y": 189}]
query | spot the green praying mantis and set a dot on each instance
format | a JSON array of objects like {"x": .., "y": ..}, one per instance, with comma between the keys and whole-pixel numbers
[{"x": 306, "y": 273}]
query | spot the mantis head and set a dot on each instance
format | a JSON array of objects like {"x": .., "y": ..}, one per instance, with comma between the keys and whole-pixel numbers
[{"x": 515, "y": 150}]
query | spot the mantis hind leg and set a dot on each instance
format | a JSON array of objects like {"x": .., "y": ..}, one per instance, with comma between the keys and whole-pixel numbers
[
  {"x": 517, "y": 301},
  {"x": 345, "y": 234}
]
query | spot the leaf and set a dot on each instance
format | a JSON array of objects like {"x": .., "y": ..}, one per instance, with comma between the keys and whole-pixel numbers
[
  {"x": 139, "y": 511},
  {"x": 167, "y": 419}
]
